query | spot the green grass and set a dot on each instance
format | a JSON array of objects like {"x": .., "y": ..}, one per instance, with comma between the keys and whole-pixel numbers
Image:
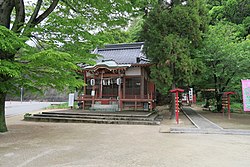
[{"x": 235, "y": 105}]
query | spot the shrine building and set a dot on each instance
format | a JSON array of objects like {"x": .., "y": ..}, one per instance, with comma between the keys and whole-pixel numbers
[{"x": 119, "y": 80}]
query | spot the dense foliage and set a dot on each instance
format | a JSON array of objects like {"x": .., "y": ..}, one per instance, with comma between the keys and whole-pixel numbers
[
  {"x": 171, "y": 32},
  {"x": 226, "y": 58},
  {"x": 226, "y": 48},
  {"x": 185, "y": 54},
  {"x": 64, "y": 32}
]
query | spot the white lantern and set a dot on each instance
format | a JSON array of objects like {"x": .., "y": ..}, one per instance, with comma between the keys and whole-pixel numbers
[
  {"x": 118, "y": 81},
  {"x": 92, "y": 82}
]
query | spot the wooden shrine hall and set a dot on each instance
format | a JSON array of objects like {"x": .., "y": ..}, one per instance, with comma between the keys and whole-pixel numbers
[{"x": 119, "y": 80}]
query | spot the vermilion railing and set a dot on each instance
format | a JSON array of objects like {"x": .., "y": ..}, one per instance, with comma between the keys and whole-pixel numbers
[{"x": 148, "y": 96}]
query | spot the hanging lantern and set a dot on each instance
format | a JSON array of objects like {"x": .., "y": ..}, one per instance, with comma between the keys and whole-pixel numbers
[
  {"x": 92, "y": 82},
  {"x": 118, "y": 81}
]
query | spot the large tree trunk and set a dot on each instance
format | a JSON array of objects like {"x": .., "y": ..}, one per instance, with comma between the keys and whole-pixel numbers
[
  {"x": 6, "y": 7},
  {"x": 3, "y": 127},
  {"x": 218, "y": 97},
  {"x": 172, "y": 109},
  {"x": 173, "y": 94}
]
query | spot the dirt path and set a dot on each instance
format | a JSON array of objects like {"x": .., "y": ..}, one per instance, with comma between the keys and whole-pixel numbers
[{"x": 37, "y": 144}]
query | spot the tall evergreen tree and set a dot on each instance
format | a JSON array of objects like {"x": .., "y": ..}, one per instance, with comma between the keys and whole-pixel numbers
[{"x": 171, "y": 33}]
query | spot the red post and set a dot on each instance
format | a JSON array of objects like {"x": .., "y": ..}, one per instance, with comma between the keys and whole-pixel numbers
[
  {"x": 83, "y": 105},
  {"x": 176, "y": 91},
  {"x": 228, "y": 103},
  {"x": 228, "y": 106},
  {"x": 177, "y": 107},
  {"x": 135, "y": 102}
]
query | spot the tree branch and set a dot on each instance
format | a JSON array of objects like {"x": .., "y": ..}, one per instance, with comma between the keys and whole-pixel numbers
[
  {"x": 20, "y": 16},
  {"x": 35, "y": 13},
  {"x": 45, "y": 13},
  {"x": 228, "y": 80},
  {"x": 6, "y": 8},
  {"x": 215, "y": 79}
]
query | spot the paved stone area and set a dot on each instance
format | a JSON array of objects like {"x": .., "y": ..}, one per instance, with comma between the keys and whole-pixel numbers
[
  {"x": 199, "y": 121},
  {"x": 204, "y": 126}
]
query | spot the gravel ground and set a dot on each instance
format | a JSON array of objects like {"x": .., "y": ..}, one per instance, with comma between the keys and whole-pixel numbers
[{"x": 37, "y": 144}]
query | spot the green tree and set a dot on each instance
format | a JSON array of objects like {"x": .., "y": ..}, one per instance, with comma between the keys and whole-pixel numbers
[
  {"x": 128, "y": 35},
  {"x": 171, "y": 32},
  {"x": 235, "y": 11},
  {"x": 64, "y": 38},
  {"x": 226, "y": 58}
]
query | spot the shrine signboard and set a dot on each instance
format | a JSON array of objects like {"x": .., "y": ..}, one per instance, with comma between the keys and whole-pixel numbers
[{"x": 246, "y": 94}]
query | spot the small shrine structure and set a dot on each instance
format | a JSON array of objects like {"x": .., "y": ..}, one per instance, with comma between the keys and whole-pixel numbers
[{"x": 119, "y": 80}]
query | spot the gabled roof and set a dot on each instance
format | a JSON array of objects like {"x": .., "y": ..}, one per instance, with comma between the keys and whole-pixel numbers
[
  {"x": 109, "y": 64},
  {"x": 122, "y": 53}
]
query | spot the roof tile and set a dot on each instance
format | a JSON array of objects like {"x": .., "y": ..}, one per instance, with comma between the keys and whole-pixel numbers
[{"x": 122, "y": 53}]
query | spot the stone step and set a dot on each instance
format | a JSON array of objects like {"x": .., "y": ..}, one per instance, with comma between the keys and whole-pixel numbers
[
  {"x": 106, "y": 114},
  {"x": 85, "y": 120},
  {"x": 104, "y": 117}
]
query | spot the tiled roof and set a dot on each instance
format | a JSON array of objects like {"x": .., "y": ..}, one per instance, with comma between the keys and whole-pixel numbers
[{"x": 122, "y": 53}]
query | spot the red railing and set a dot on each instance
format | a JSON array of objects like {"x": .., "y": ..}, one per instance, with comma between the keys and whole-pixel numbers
[{"x": 148, "y": 96}]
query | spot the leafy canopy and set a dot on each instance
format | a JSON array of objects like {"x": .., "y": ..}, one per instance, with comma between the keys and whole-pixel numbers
[
  {"x": 225, "y": 54},
  {"x": 64, "y": 32}
]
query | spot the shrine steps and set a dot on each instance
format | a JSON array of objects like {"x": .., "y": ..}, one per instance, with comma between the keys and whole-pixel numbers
[{"x": 137, "y": 118}]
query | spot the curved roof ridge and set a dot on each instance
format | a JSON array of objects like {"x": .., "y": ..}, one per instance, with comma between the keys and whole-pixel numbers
[{"x": 123, "y": 45}]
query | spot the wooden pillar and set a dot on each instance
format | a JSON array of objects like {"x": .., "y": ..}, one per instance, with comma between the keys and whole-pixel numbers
[
  {"x": 135, "y": 102},
  {"x": 121, "y": 102},
  {"x": 85, "y": 81},
  {"x": 84, "y": 89},
  {"x": 151, "y": 103},
  {"x": 151, "y": 90},
  {"x": 83, "y": 105},
  {"x": 124, "y": 87},
  {"x": 120, "y": 92},
  {"x": 142, "y": 83},
  {"x": 101, "y": 80}
]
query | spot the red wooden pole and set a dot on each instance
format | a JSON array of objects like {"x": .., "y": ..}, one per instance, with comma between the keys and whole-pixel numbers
[
  {"x": 228, "y": 106},
  {"x": 135, "y": 102},
  {"x": 176, "y": 91},
  {"x": 177, "y": 107},
  {"x": 83, "y": 105},
  {"x": 223, "y": 110},
  {"x": 228, "y": 102}
]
